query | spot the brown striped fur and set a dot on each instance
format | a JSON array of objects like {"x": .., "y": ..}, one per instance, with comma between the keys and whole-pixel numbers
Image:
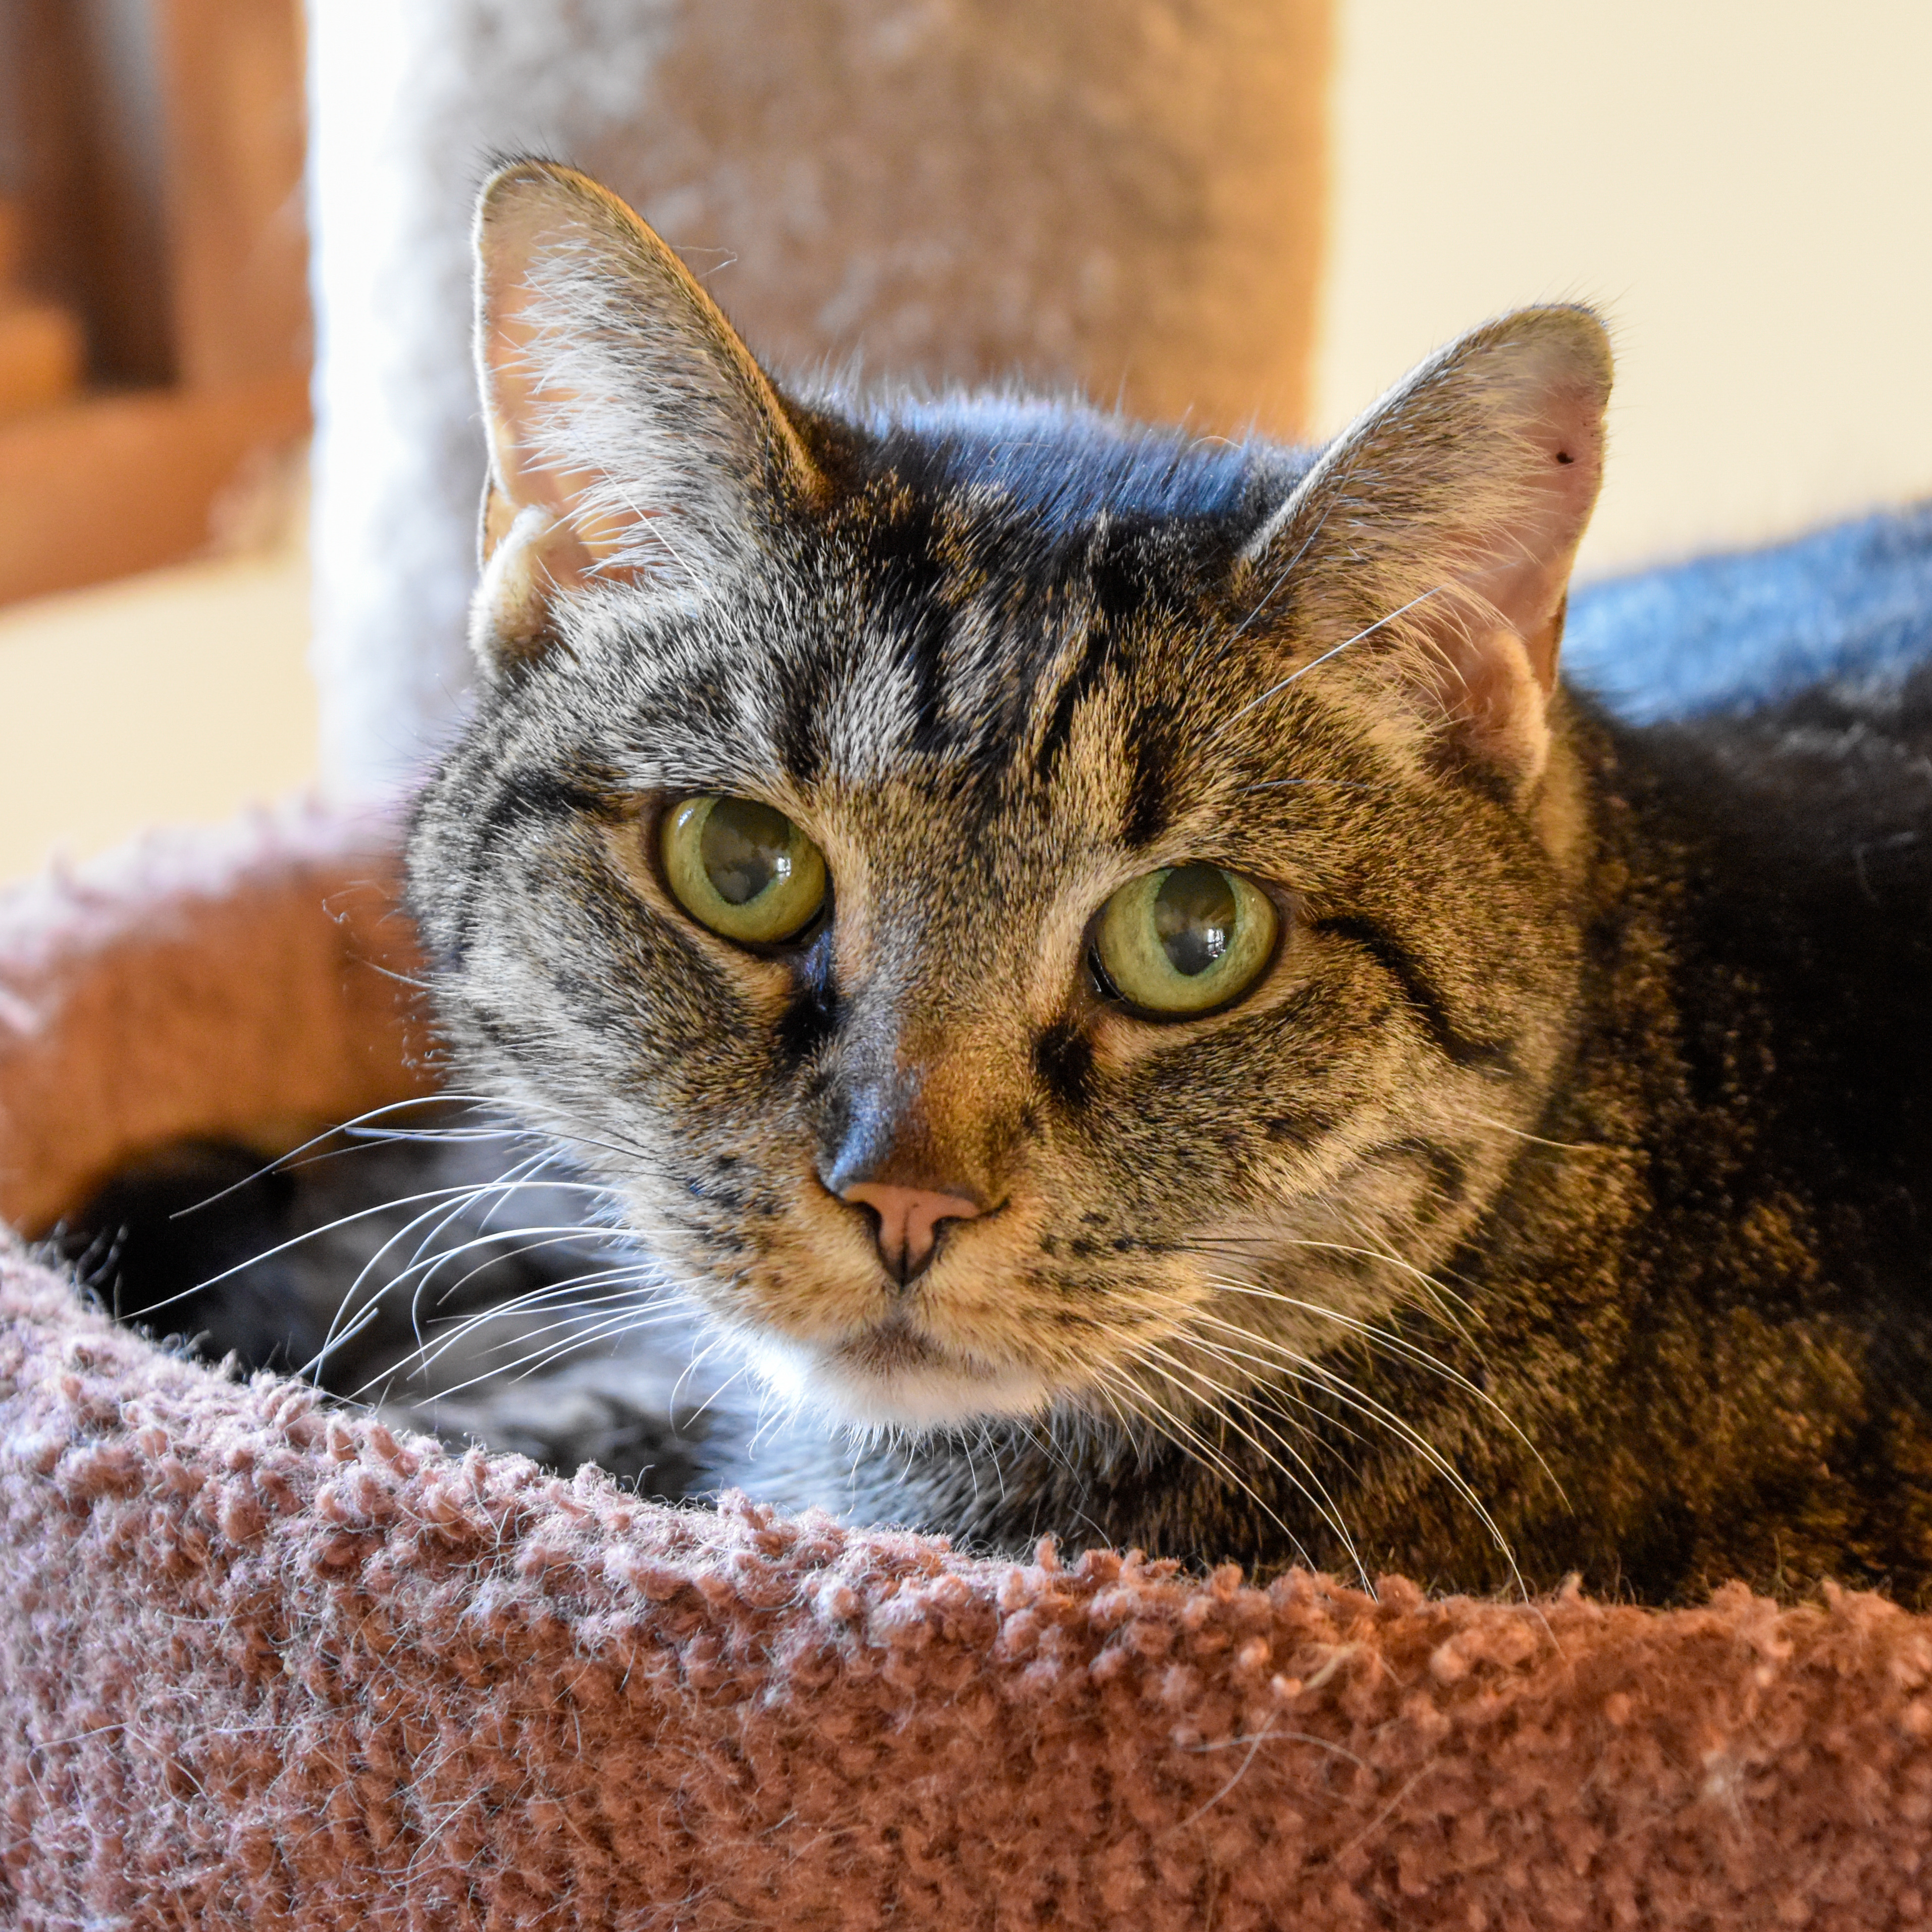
[{"x": 1501, "y": 1231}]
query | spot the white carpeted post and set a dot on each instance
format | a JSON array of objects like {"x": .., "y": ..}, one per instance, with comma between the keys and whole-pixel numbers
[{"x": 1124, "y": 193}]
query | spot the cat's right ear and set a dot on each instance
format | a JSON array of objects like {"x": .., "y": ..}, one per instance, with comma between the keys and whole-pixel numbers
[
  {"x": 1434, "y": 539},
  {"x": 633, "y": 438}
]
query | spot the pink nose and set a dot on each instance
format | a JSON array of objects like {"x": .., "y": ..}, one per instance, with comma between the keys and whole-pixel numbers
[{"x": 909, "y": 1219}]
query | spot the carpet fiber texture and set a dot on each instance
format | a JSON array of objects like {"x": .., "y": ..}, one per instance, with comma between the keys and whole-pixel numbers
[{"x": 262, "y": 1665}]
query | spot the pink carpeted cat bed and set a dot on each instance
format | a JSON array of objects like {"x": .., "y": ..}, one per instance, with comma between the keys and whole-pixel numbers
[{"x": 265, "y": 1666}]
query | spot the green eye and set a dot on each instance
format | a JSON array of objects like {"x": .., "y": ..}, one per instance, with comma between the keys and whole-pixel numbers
[
  {"x": 1185, "y": 939},
  {"x": 742, "y": 869}
]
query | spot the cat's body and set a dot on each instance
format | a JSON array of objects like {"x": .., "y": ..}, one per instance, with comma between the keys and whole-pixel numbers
[
  {"x": 1695, "y": 1322},
  {"x": 1233, "y": 1058}
]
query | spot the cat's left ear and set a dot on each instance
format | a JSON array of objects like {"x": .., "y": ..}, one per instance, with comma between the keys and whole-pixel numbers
[
  {"x": 633, "y": 438},
  {"x": 1436, "y": 536}
]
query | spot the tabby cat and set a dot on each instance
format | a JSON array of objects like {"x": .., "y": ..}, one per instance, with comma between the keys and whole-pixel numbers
[{"x": 1112, "y": 963}]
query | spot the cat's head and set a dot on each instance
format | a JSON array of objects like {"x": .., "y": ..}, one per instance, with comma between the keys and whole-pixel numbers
[{"x": 1021, "y": 909}]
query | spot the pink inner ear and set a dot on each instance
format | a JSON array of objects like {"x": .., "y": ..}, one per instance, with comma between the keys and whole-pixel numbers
[{"x": 1527, "y": 578}]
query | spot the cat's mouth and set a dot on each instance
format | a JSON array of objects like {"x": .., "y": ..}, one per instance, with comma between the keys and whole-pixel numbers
[
  {"x": 892, "y": 1348},
  {"x": 889, "y": 1372}
]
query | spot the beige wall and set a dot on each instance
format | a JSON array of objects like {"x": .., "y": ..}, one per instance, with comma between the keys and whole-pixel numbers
[
  {"x": 181, "y": 695},
  {"x": 1747, "y": 190}
]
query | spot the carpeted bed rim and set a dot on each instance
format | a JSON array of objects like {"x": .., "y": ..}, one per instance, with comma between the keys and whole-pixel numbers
[{"x": 263, "y": 1663}]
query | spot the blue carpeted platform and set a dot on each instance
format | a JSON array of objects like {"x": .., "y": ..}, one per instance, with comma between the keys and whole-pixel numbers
[{"x": 1854, "y": 600}]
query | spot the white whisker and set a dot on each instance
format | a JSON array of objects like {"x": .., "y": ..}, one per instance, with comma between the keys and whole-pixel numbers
[
  {"x": 1186, "y": 1437},
  {"x": 1365, "y": 1405},
  {"x": 1224, "y": 1401},
  {"x": 1334, "y": 651}
]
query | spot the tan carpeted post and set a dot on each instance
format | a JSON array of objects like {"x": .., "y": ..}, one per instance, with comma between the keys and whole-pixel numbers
[{"x": 1123, "y": 194}]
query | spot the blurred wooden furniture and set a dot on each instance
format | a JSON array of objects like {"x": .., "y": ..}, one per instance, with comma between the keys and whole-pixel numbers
[
  {"x": 42, "y": 350},
  {"x": 155, "y": 341}
]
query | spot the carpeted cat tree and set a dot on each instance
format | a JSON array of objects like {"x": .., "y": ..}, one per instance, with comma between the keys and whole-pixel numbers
[{"x": 263, "y": 1664}]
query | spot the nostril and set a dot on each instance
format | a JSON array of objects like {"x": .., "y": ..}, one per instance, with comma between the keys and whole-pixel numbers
[{"x": 908, "y": 1220}]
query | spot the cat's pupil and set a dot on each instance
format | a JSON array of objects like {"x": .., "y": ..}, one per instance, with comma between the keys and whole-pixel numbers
[
  {"x": 745, "y": 848},
  {"x": 1194, "y": 913}
]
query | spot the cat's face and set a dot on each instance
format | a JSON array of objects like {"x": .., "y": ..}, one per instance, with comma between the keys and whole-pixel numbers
[{"x": 1207, "y": 957}]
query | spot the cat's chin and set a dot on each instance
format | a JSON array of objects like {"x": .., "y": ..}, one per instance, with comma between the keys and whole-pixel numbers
[{"x": 890, "y": 1378}]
